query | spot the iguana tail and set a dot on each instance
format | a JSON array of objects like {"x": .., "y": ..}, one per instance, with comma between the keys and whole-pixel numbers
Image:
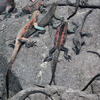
[
  {"x": 15, "y": 52},
  {"x": 53, "y": 66},
  {"x": 84, "y": 19}
]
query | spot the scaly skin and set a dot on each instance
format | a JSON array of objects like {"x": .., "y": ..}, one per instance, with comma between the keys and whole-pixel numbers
[
  {"x": 58, "y": 45},
  {"x": 18, "y": 44}
]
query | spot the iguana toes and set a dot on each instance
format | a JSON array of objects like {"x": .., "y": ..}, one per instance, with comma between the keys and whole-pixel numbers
[
  {"x": 77, "y": 40},
  {"x": 20, "y": 40},
  {"x": 58, "y": 46}
]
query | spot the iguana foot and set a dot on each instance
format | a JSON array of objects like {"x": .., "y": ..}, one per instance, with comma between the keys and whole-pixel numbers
[
  {"x": 8, "y": 15},
  {"x": 48, "y": 58},
  {"x": 78, "y": 46},
  {"x": 20, "y": 14},
  {"x": 68, "y": 57},
  {"x": 15, "y": 10},
  {"x": 76, "y": 50},
  {"x": 41, "y": 32},
  {"x": 12, "y": 44},
  {"x": 30, "y": 44},
  {"x": 86, "y": 34}
]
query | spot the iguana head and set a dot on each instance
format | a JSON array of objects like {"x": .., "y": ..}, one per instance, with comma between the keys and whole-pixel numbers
[{"x": 36, "y": 13}]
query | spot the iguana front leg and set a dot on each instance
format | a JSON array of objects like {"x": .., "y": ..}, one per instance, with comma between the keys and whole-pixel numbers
[
  {"x": 86, "y": 34},
  {"x": 38, "y": 27},
  {"x": 22, "y": 40}
]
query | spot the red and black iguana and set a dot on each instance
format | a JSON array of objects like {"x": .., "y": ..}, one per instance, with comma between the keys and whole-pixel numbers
[
  {"x": 58, "y": 46},
  {"x": 19, "y": 42}
]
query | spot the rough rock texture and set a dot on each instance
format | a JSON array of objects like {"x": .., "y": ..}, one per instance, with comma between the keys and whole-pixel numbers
[{"x": 29, "y": 68}]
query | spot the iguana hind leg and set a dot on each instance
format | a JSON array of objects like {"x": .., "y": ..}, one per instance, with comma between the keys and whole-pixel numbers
[
  {"x": 49, "y": 58},
  {"x": 67, "y": 57},
  {"x": 12, "y": 44},
  {"x": 86, "y": 34},
  {"x": 7, "y": 15},
  {"x": 30, "y": 44},
  {"x": 20, "y": 14},
  {"x": 77, "y": 46},
  {"x": 27, "y": 42}
]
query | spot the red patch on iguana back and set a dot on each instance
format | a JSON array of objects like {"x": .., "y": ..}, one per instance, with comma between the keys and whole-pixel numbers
[
  {"x": 62, "y": 37},
  {"x": 57, "y": 35}
]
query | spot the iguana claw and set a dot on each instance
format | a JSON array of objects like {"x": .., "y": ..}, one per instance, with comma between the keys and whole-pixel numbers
[
  {"x": 68, "y": 57},
  {"x": 30, "y": 44}
]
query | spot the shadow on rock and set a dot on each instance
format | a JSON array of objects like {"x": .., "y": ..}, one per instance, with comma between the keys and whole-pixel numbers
[{"x": 14, "y": 85}]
